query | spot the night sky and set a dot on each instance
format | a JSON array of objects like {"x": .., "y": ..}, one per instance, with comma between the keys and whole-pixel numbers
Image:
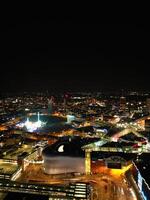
[{"x": 70, "y": 53}]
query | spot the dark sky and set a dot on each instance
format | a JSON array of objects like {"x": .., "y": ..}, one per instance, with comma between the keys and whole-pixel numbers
[{"x": 72, "y": 53}]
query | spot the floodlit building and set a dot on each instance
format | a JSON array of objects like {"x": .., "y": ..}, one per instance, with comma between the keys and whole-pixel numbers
[
  {"x": 70, "y": 118},
  {"x": 64, "y": 157}
]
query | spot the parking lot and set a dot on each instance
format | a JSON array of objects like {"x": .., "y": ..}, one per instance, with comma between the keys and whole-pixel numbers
[
  {"x": 14, "y": 154},
  {"x": 7, "y": 168}
]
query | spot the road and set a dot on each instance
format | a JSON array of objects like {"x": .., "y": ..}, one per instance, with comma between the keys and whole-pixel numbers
[
  {"x": 110, "y": 184},
  {"x": 2, "y": 195},
  {"x": 12, "y": 122},
  {"x": 110, "y": 188},
  {"x": 107, "y": 184}
]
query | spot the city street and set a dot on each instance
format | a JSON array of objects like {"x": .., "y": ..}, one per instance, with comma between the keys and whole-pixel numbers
[
  {"x": 106, "y": 185},
  {"x": 111, "y": 188}
]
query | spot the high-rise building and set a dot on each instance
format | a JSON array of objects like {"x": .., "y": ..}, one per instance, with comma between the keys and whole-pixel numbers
[
  {"x": 50, "y": 105},
  {"x": 66, "y": 97},
  {"x": 148, "y": 104},
  {"x": 122, "y": 103}
]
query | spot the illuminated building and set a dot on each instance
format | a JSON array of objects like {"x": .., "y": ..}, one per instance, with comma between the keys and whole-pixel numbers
[
  {"x": 141, "y": 181},
  {"x": 70, "y": 118},
  {"x": 64, "y": 156},
  {"x": 66, "y": 96},
  {"x": 88, "y": 162},
  {"x": 50, "y": 105},
  {"x": 148, "y": 104},
  {"x": 122, "y": 103}
]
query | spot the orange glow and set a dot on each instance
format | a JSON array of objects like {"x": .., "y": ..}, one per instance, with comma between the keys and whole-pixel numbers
[
  {"x": 141, "y": 123},
  {"x": 3, "y": 128},
  {"x": 118, "y": 172}
]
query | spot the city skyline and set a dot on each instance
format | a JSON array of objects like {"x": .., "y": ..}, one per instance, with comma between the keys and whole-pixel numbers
[{"x": 84, "y": 146}]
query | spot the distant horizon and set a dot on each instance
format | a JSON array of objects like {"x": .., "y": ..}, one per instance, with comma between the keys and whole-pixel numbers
[{"x": 105, "y": 92}]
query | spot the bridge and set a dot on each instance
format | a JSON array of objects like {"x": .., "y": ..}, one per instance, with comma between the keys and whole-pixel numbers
[{"x": 71, "y": 191}]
